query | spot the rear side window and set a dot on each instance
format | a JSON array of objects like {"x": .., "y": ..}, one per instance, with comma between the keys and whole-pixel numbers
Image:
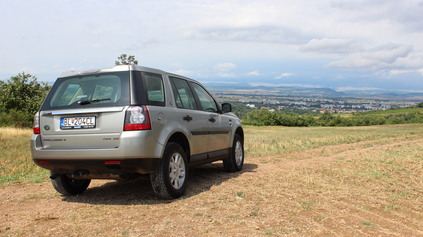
[
  {"x": 147, "y": 89},
  {"x": 155, "y": 89},
  {"x": 100, "y": 90},
  {"x": 183, "y": 94}
]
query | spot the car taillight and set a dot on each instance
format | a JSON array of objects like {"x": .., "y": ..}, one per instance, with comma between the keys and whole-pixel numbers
[
  {"x": 137, "y": 118},
  {"x": 37, "y": 123}
]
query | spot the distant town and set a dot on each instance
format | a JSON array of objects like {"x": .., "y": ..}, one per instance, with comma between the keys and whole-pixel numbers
[
  {"x": 321, "y": 105},
  {"x": 314, "y": 100}
]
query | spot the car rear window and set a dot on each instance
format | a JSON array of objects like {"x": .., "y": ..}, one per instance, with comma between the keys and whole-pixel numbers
[{"x": 99, "y": 90}]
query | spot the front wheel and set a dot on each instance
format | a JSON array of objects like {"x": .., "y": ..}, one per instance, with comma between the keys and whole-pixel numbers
[
  {"x": 169, "y": 179},
  {"x": 235, "y": 162},
  {"x": 68, "y": 186}
]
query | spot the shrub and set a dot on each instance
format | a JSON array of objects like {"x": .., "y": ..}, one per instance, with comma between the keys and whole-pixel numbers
[
  {"x": 394, "y": 116},
  {"x": 20, "y": 98}
]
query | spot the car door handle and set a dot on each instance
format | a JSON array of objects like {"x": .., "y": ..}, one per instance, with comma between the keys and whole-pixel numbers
[
  {"x": 212, "y": 118},
  {"x": 187, "y": 118}
]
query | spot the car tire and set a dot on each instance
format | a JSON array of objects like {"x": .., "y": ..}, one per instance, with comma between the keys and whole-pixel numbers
[
  {"x": 235, "y": 162},
  {"x": 169, "y": 179},
  {"x": 68, "y": 186}
]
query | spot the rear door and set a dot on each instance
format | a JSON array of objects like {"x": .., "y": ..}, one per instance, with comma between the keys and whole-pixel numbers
[{"x": 85, "y": 111}]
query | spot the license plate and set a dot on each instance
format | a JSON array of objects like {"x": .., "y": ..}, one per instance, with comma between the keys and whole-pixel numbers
[{"x": 77, "y": 122}]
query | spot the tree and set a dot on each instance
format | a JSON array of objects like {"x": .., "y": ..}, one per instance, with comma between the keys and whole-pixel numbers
[
  {"x": 420, "y": 105},
  {"x": 21, "y": 96},
  {"x": 124, "y": 59},
  {"x": 261, "y": 117}
]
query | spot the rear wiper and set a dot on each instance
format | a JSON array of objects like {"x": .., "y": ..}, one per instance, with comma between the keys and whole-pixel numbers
[{"x": 86, "y": 102}]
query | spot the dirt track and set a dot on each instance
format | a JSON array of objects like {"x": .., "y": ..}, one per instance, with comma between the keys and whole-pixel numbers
[{"x": 313, "y": 192}]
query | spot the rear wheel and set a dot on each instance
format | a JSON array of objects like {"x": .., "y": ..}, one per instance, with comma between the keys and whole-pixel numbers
[
  {"x": 236, "y": 160},
  {"x": 68, "y": 186},
  {"x": 169, "y": 180}
]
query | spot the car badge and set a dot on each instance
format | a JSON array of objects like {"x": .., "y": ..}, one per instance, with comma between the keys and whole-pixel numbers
[{"x": 47, "y": 127}]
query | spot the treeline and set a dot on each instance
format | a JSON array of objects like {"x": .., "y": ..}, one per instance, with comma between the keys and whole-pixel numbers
[
  {"x": 20, "y": 98},
  {"x": 22, "y": 95},
  {"x": 262, "y": 117}
]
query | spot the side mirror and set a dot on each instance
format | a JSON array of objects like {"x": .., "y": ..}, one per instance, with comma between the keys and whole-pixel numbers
[{"x": 226, "y": 108}]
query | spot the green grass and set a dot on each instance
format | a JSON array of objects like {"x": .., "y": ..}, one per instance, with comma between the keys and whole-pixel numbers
[
  {"x": 368, "y": 224},
  {"x": 394, "y": 111}
]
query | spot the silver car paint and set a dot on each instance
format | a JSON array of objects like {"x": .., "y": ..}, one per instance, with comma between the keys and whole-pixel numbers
[{"x": 109, "y": 141}]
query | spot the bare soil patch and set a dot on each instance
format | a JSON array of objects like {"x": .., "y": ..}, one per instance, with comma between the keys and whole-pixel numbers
[{"x": 371, "y": 188}]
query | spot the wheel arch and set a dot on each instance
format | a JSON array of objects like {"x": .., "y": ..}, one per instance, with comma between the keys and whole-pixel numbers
[
  {"x": 182, "y": 140},
  {"x": 240, "y": 132}
]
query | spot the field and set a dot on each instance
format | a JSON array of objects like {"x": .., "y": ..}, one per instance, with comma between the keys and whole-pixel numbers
[{"x": 356, "y": 181}]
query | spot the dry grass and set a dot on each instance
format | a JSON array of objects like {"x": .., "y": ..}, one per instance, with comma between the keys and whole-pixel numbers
[
  {"x": 365, "y": 181},
  {"x": 15, "y": 157},
  {"x": 6, "y": 132},
  {"x": 275, "y": 140}
]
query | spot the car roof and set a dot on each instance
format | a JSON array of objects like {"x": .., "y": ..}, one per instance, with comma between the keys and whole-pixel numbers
[{"x": 121, "y": 68}]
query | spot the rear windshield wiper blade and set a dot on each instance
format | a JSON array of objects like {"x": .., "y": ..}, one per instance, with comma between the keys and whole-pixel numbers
[{"x": 86, "y": 102}]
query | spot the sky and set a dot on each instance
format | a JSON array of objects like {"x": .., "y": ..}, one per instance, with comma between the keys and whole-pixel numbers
[{"x": 339, "y": 44}]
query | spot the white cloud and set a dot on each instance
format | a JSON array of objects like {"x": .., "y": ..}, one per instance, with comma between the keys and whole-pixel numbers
[
  {"x": 283, "y": 75},
  {"x": 226, "y": 74},
  {"x": 254, "y": 73},
  {"x": 150, "y": 42},
  {"x": 414, "y": 60},
  {"x": 224, "y": 67},
  {"x": 374, "y": 59},
  {"x": 388, "y": 53},
  {"x": 399, "y": 72},
  {"x": 96, "y": 45},
  {"x": 350, "y": 88},
  {"x": 284, "y": 85},
  {"x": 176, "y": 65},
  {"x": 183, "y": 72},
  {"x": 332, "y": 46},
  {"x": 220, "y": 82},
  {"x": 259, "y": 34},
  {"x": 275, "y": 36}
]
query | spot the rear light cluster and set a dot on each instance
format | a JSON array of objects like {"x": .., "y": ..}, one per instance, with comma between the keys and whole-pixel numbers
[
  {"x": 112, "y": 162},
  {"x": 137, "y": 118},
  {"x": 37, "y": 123}
]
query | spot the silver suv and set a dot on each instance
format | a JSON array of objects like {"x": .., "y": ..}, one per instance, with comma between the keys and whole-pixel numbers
[{"x": 126, "y": 121}]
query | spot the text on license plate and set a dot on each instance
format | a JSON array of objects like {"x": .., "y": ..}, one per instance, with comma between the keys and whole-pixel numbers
[{"x": 77, "y": 122}]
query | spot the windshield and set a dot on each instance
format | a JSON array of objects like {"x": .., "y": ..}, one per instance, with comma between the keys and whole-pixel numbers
[{"x": 99, "y": 90}]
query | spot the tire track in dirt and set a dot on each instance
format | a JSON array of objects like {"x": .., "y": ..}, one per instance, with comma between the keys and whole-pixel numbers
[
  {"x": 386, "y": 223},
  {"x": 335, "y": 151}
]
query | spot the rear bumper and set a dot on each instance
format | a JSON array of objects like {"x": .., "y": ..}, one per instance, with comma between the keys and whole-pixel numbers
[
  {"x": 138, "y": 153},
  {"x": 132, "y": 145},
  {"x": 99, "y": 168}
]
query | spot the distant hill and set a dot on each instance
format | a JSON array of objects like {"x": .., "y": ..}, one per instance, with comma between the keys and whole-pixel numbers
[{"x": 281, "y": 91}]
